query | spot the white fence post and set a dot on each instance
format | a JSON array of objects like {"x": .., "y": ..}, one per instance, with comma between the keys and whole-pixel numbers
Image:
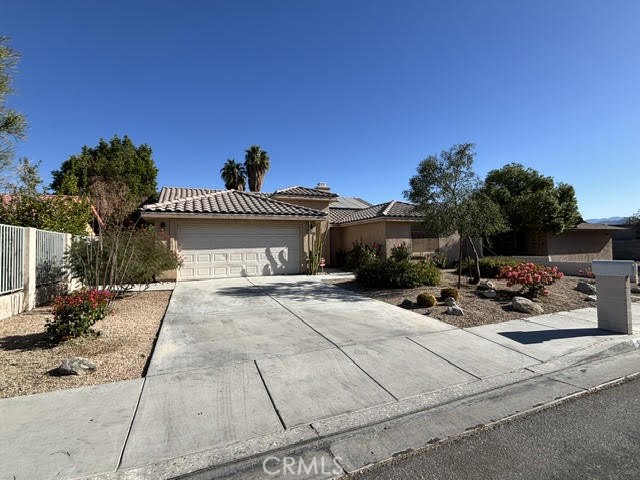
[{"x": 29, "y": 270}]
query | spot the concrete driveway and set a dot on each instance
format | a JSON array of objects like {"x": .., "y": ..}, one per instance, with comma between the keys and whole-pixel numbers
[{"x": 243, "y": 358}]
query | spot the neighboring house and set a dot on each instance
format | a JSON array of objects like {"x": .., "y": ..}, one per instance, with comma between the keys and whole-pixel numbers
[
  {"x": 228, "y": 233},
  {"x": 583, "y": 243},
  {"x": 626, "y": 242}
]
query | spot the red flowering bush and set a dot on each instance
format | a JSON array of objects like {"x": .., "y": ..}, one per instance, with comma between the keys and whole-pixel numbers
[
  {"x": 76, "y": 313},
  {"x": 533, "y": 278}
]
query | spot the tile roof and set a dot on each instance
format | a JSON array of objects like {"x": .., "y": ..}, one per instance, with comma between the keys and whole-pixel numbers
[
  {"x": 594, "y": 226},
  {"x": 304, "y": 192},
  {"x": 231, "y": 202},
  {"x": 350, "y": 202},
  {"x": 168, "y": 194},
  {"x": 389, "y": 210}
]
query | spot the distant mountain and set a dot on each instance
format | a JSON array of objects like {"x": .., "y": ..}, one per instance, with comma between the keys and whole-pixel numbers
[{"x": 608, "y": 221}]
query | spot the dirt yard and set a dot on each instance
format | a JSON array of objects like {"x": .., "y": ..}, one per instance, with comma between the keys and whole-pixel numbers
[
  {"x": 477, "y": 309},
  {"x": 120, "y": 351}
]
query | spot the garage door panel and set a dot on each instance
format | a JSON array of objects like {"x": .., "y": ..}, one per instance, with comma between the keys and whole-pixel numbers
[{"x": 211, "y": 251}]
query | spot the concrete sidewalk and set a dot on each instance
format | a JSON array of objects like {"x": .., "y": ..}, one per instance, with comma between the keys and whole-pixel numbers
[{"x": 248, "y": 367}]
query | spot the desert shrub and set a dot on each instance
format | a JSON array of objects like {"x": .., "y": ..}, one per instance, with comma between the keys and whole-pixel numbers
[
  {"x": 119, "y": 258},
  {"x": 452, "y": 292},
  {"x": 426, "y": 300},
  {"x": 76, "y": 313},
  {"x": 361, "y": 254},
  {"x": 400, "y": 252},
  {"x": 533, "y": 278},
  {"x": 429, "y": 273},
  {"x": 489, "y": 266},
  {"x": 440, "y": 260},
  {"x": 389, "y": 273}
]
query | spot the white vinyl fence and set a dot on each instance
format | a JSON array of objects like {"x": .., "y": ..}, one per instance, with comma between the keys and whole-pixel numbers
[{"x": 31, "y": 267}]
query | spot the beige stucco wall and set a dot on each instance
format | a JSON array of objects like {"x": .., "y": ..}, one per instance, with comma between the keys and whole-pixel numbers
[
  {"x": 343, "y": 238},
  {"x": 397, "y": 234},
  {"x": 171, "y": 226},
  {"x": 580, "y": 246}
]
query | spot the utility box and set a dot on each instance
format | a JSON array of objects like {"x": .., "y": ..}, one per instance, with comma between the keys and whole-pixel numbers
[{"x": 613, "y": 290}]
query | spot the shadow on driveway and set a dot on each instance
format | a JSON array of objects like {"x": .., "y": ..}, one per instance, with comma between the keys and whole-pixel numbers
[
  {"x": 540, "y": 336},
  {"x": 298, "y": 291}
]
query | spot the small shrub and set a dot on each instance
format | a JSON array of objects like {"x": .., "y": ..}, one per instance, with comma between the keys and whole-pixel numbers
[
  {"x": 429, "y": 274},
  {"x": 388, "y": 273},
  {"x": 489, "y": 266},
  {"x": 426, "y": 300},
  {"x": 450, "y": 292},
  {"x": 440, "y": 260},
  {"x": 76, "y": 313},
  {"x": 533, "y": 278},
  {"x": 361, "y": 254},
  {"x": 400, "y": 252}
]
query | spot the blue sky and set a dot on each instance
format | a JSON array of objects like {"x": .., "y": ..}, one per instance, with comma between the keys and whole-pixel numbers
[{"x": 352, "y": 93}]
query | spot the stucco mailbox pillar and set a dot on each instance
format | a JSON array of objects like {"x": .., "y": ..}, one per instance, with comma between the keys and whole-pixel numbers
[{"x": 614, "y": 294}]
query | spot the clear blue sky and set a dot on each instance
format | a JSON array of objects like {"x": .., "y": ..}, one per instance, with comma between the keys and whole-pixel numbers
[{"x": 353, "y": 93}]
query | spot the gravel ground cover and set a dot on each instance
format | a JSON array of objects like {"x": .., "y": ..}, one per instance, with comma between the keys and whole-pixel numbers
[
  {"x": 478, "y": 310},
  {"x": 121, "y": 351}
]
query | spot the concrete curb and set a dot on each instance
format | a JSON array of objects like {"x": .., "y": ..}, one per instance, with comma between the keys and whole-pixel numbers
[{"x": 361, "y": 439}]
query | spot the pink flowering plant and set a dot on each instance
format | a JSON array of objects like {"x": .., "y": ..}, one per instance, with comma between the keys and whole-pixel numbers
[
  {"x": 76, "y": 313},
  {"x": 533, "y": 278}
]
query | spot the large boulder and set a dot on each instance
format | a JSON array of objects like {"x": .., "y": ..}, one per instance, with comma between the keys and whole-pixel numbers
[
  {"x": 486, "y": 285},
  {"x": 450, "y": 302},
  {"x": 586, "y": 287},
  {"x": 455, "y": 310},
  {"x": 524, "y": 305},
  {"x": 75, "y": 366}
]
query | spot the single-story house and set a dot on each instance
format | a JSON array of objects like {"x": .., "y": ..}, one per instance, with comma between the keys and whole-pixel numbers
[
  {"x": 230, "y": 233},
  {"x": 583, "y": 243}
]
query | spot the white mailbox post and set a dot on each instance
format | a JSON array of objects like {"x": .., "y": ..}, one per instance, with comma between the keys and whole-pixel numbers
[{"x": 614, "y": 294}]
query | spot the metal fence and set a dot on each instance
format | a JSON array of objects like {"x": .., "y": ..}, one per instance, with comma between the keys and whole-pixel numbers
[
  {"x": 49, "y": 257},
  {"x": 11, "y": 259}
]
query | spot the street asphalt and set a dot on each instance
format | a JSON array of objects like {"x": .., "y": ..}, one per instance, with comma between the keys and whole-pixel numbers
[{"x": 596, "y": 436}]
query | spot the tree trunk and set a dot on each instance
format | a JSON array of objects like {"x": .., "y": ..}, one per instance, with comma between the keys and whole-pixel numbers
[
  {"x": 459, "y": 263},
  {"x": 476, "y": 262}
]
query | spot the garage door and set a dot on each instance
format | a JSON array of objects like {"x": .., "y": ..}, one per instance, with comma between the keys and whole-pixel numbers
[{"x": 213, "y": 251}]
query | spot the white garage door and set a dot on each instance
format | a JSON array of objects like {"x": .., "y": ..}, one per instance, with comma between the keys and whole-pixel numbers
[{"x": 212, "y": 251}]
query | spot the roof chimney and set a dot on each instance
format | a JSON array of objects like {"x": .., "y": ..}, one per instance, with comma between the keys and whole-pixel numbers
[{"x": 323, "y": 187}]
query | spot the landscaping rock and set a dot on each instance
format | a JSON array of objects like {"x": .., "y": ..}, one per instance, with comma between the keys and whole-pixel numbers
[
  {"x": 486, "y": 285},
  {"x": 585, "y": 287},
  {"x": 450, "y": 302},
  {"x": 591, "y": 298},
  {"x": 490, "y": 293},
  {"x": 406, "y": 303},
  {"x": 455, "y": 310},
  {"x": 635, "y": 289},
  {"x": 76, "y": 366},
  {"x": 524, "y": 305}
]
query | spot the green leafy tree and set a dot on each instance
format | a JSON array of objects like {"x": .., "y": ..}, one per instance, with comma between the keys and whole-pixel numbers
[
  {"x": 12, "y": 124},
  {"x": 634, "y": 219},
  {"x": 117, "y": 163},
  {"x": 531, "y": 201},
  {"x": 234, "y": 175},
  {"x": 30, "y": 206},
  {"x": 446, "y": 192},
  {"x": 257, "y": 163}
]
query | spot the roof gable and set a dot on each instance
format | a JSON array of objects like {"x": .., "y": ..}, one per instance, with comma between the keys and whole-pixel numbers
[
  {"x": 304, "y": 192},
  {"x": 389, "y": 210}
]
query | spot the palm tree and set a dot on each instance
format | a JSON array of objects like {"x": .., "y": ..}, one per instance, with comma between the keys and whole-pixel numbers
[
  {"x": 256, "y": 162},
  {"x": 234, "y": 175}
]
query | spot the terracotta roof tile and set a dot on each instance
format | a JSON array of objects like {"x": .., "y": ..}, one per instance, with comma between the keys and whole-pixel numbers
[
  {"x": 231, "y": 202},
  {"x": 304, "y": 192},
  {"x": 393, "y": 209}
]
